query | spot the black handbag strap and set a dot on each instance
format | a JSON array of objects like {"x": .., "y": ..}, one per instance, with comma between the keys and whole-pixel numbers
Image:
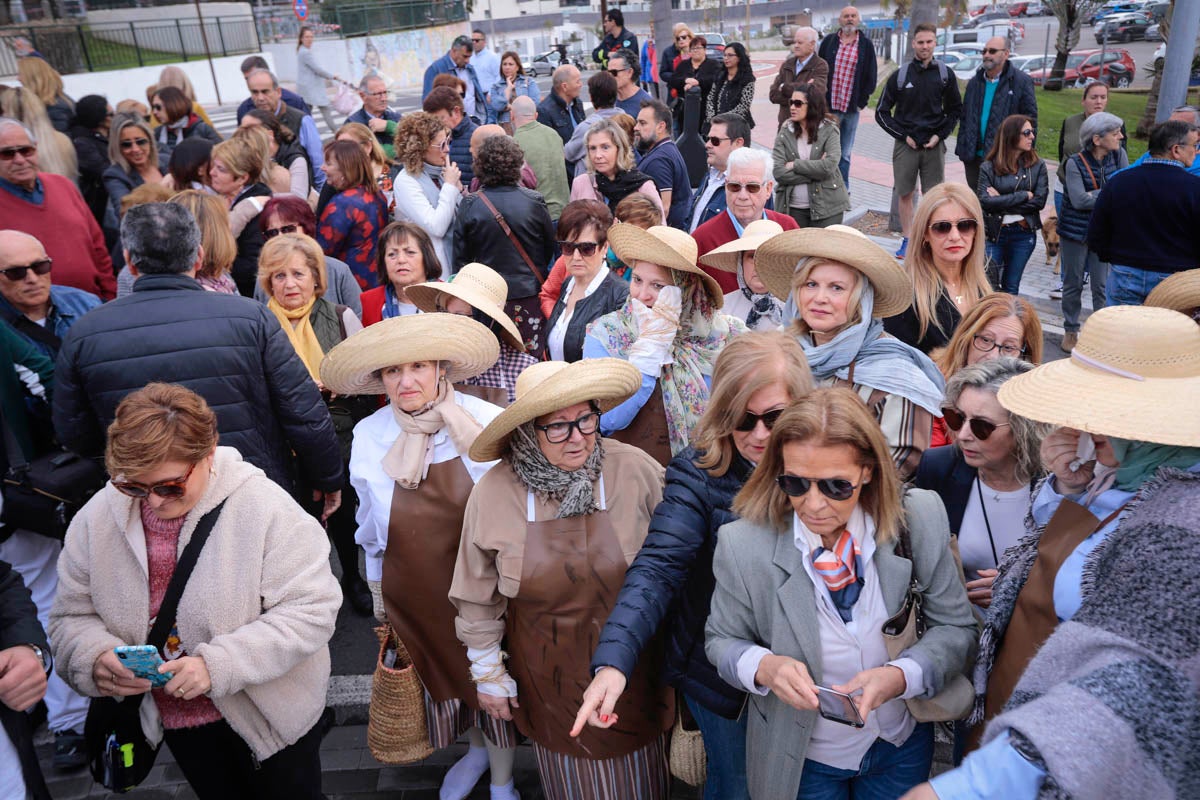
[{"x": 183, "y": 570}]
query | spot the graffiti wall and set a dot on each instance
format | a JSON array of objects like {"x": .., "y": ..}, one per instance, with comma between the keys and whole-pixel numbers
[{"x": 401, "y": 58}]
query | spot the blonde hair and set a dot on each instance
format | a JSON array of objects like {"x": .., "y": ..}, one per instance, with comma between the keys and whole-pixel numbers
[
  {"x": 212, "y": 217},
  {"x": 261, "y": 138},
  {"x": 619, "y": 139},
  {"x": 120, "y": 123},
  {"x": 244, "y": 153},
  {"x": 174, "y": 76},
  {"x": 158, "y": 423},
  {"x": 364, "y": 137},
  {"x": 56, "y": 151},
  {"x": 997, "y": 305},
  {"x": 42, "y": 79},
  {"x": 134, "y": 108},
  {"x": 749, "y": 363},
  {"x": 826, "y": 417},
  {"x": 853, "y": 303},
  {"x": 927, "y": 283},
  {"x": 278, "y": 251},
  {"x": 146, "y": 193}
]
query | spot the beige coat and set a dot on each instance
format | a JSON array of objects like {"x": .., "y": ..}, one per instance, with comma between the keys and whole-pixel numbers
[{"x": 259, "y": 608}]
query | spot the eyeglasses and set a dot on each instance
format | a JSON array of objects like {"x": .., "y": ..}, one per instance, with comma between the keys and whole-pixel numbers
[
  {"x": 992, "y": 50},
  {"x": 833, "y": 488},
  {"x": 1030, "y": 132},
  {"x": 987, "y": 344},
  {"x": 14, "y": 274},
  {"x": 799, "y": 103},
  {"x": 943, "y": 227},
  {"x": 981, "y": 428},
  {"x": 752, "y": 188},
  {"x": 750, "y": 421},
  {"x": 715, "y": 141},
  {"x": 157, "y": 107},
  {"x": 271, "y": 233},
  {"x": 129, "y": 144},
  {"x": 24, "y": 151},
  {"x": 168, "y": 490},
  {"x": 557, "y": 432},
  {"x": 443, "y": 145},
  {"x": 586, "y": 249}
]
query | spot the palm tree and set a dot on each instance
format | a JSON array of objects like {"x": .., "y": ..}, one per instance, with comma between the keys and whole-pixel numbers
[
  {"x": 1147, "y": 121},
  {"x": 1070, "y": 14}
]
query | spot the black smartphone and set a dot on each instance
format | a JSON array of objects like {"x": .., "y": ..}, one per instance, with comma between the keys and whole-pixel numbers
[{"x": 839, "y": 707}]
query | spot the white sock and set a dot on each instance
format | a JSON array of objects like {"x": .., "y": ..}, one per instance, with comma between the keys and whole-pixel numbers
[
  {"x": 506, "y": 792},
  {"x": 463, "y": 776}
]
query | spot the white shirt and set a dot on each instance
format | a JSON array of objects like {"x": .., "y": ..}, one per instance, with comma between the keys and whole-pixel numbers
[
  {"x": 716, "y": 180},
  {"x": 464, "y": 75},
  {"x": 558, "y": 333},
  {"x": 487, "y": 67},
  {"x": 373, "y": 437},
  {"x": 1006, "y": 516}
]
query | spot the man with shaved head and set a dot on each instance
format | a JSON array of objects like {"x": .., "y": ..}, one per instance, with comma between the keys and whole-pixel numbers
[
  {"x": 853, "y": 72},
  {"x": 40, "y": 311},
  {"x": 997, "y": 90},
  {"x": 803, "y": 70},
  {"x": 543, "y": 154},
  {"x": 482, "y": 134}
]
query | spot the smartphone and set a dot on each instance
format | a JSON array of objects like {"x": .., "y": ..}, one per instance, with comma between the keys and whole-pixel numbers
[
  {"x": 143, "y": 661},
  {"x": 839, "y": 707}
]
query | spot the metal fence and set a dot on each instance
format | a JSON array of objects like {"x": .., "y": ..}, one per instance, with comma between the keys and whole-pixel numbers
[{"x": 363, "y": 18}]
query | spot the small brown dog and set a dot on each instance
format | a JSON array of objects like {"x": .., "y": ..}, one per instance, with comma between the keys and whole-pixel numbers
[{"x": 1050, "y": 237}]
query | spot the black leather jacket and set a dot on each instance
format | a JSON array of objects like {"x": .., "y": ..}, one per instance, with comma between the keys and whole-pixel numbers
[
  {"x": 478, "y": 237},
  {"x": 1013, "y": 197},
  {"x": 609, "y": 296}
]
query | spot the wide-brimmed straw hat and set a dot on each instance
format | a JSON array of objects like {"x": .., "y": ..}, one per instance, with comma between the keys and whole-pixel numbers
[
  {"x": 1180, "y": 292},
  {"x": 754, "y": 236},
  {"x": 1134, "y": 374},
  {"x": 667, "y": 247},
  {"x": 548, "y": 386},
  {"x": 477, "y": 285},
  {"x": 776, "y": 263},
  {"x": 352, "y": 366}
]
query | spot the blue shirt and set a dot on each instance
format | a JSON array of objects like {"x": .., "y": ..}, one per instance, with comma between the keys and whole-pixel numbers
[
  {"x": 989, "y": 94},
  {"x": 620, "y": 417},
  {"x": 36, "y": 196},
  {"x": 1194, "y": 169},
  {"x": 633, "y": 104}
]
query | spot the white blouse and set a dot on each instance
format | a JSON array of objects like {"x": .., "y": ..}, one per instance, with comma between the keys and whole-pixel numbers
[{"x": 558, "y": 334}]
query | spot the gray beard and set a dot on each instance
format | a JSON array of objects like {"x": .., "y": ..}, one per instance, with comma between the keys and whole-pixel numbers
[{"x": 848, "y": 30}]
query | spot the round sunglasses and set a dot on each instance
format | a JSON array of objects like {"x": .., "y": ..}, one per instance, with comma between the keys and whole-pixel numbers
[
  {"x": 981, "y": 428},
  {"x": 833, "y": 488},
  {"x": 168, "y": 490}
]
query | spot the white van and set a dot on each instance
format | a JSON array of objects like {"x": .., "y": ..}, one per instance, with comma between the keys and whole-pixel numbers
[{"x": 980, "y": 35}]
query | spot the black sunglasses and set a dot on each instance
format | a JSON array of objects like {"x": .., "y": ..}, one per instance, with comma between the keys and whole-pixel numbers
[
  {"x": 715, "y": 141},
  {"x": 982, "y": 428},
  {"x": 24, "y": 151},
  {"x": 586, "y": 249},
  {"x": 799, "y": 103},
  {"x": 40, "y": 267},
  {"x": 271, "y": 233},
  {"x": 944, "y": 227},
  {"x": 750, "y": 421},
  {"x": 993, "y": 50},
  {"x": 616, "y": 72},
  {"x": 833, "y": 488},
  {"x": 557, "y": 432},
  {"x": 128, "y": 144}
]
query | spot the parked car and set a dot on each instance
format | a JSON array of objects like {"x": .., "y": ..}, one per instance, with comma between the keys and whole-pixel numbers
[
  {"x": 966, "y": 67},
  {"x": 1122, "y": 27},
  {"x": 1037, "y": 9},
  {"x": 545, "y": 63},
  {"x": 1014, "y": 32},
  {"x": 1030, "y": 63},
  {"x": 1157, "y": 11},
  {"x": 1086, "y": 64},
  {"x": 966, "y": 48},
  {"x": 987, "y": 16},
  {"x": 716, "y": 45},
  {"x": 1018, "y": 9},
  {"x": 1108, "y": 9},
  {"x": 951, "y": 57},
  {"x": 1153, "y": 34}
]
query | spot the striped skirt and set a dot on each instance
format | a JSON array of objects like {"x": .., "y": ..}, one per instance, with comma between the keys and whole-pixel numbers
[
  {"x": 450, "y": 719},
  {"x": 640, "y": 775}
]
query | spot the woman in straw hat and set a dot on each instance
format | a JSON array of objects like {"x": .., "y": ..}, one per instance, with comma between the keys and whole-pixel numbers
[
  {"x": 410, "y": 467},
  {"x": 1180, "y": 292},
  {"x": 753, "y": 302},
  {"x": 671, "y": 329},
  {"x": 838, "y": 285},
  {"x": 1090, "y": 619},
  {"x": 546, "y": 541},
  {"x": 480, "y": 292},
  {"x": 291, "y": 271},
  {"x": 671, "y": 580}
]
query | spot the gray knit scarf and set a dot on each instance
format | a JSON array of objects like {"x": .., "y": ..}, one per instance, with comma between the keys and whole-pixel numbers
[{"x": 572, "y": 490}]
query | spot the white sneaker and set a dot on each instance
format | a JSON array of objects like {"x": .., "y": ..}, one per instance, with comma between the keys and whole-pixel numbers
[{"x": 1056, "y": 292}]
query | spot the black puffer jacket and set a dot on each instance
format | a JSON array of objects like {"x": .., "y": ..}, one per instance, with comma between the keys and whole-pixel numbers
[
  {"x": 478, "y": 237},
  {"x": 91, "y": 151},
  {"x": 672, "y": 575},
  {"x": 230, "y": 350}
]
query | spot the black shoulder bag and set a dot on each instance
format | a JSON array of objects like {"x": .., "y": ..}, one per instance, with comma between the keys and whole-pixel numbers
[{"x": 119, "y": 755}]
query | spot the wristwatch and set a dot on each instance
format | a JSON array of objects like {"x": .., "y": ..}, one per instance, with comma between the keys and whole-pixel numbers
[{"x": 42, "y": 655}]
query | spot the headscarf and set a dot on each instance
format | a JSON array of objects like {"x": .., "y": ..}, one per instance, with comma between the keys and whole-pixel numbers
[
  {"x": 703, "y": 333},
  {"x": 407, "y": 460},
  {"x": 766, "y": 310},
  {"x": 880, "y": 361},
  {"x": 1138, "y": 461},
  {"x": 572, "y": 489},
  {"x": 302, "y": 336}
]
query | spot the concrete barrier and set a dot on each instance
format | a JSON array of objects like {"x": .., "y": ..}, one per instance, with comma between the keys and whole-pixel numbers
[{"x": 118, "y": 85}]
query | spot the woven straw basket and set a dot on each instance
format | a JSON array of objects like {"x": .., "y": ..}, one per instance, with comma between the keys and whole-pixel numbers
[
  {"x": 397, "y": 730},
  {"x": 687, "y": 759}
]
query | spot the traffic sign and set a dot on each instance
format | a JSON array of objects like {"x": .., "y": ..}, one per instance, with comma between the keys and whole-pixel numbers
[{"x": 301, "y": 9}]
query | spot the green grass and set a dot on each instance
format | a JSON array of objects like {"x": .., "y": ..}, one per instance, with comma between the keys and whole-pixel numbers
[{"x": 106, "y": 54}]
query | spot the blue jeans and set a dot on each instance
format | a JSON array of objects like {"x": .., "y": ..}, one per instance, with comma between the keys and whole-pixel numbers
[
  {"x": 886, "y": 772},
  {"x": 1129, "y": 286},
  {"x": 725, "y": 747},
  {"x": 848, "y": 126},
  {"x": 1058, "y": 196},
  {"x": 1010, "y": 252}
]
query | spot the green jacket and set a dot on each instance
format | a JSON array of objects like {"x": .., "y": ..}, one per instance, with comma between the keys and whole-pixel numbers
[
  {"x": 17, "y": 350},
  {"x": 544, "y": 154},
  {"x": 827, "y": 193}
]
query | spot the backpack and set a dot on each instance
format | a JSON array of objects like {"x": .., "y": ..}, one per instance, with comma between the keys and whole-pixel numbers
[{"x": 902, "y": 74}]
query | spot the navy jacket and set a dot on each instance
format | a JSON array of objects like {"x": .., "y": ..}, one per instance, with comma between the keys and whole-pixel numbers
[
  {"x": 382, "y": 137},
  {"x": 1146, "y": 218},
  {"x": 289, "y": 98},
  {"x": 866, "y": 73},
  {"x": 230, "y": 350},
  {"x": 943, "y": 470},
  {"x": 672, "y": 580},
  {"x": 664, "y": 164},
  {"x": 460, "y": 148},
  {"x": 1014, "y": 95},
  {"x": 446, "y": 66}
]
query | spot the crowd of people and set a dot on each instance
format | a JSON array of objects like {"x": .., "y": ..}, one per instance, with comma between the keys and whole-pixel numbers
[{"x": 623, "y": 454}]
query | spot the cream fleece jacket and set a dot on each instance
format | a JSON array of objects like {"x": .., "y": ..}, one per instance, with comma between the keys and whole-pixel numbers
[{"x": 259, "y": 608}]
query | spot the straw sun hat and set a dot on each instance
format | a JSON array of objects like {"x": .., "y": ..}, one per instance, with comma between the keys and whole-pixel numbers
[
  {"x": 1180, "y": 292},
  {"x": 351, "y": 367},
  {"x": 776, "y": 263},
  {"x": 667, "y": 247},
  {"x": 549, "y": 386},
  {"x": 1135, "y": 374},
  {"x": 477, "y": 285},
  {"x": 754, "y": 236}
]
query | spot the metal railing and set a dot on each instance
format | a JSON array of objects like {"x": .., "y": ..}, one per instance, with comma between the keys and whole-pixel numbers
[{"x": 363, "y": 18}]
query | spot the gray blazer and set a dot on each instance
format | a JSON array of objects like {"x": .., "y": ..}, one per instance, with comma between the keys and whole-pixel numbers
[{"x": 764, "y": 596}]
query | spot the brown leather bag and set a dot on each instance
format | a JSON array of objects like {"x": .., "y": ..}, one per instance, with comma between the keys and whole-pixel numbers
[{"x": 537, "y": 273}]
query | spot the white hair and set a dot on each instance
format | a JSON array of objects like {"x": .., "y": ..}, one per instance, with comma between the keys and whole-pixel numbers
[
  {"x": 9, "y": 122},
  {"x": 805, "y": 33},
  {"x": 751, "y": 158}
]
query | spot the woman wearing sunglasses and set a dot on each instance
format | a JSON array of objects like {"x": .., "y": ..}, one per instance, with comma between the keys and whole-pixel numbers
[
  {"x": 134, "y": 159},
  {"x": 670, "y": 583},
  {"x": 805, "y": 582},
  {"x": 695, "y": 71},
  {"x": 429, "y": 188},
  {"x": 838, "y": 284},
  {"x": 176, "y": 120},
  {"x": 248, "y": 653},
  {"x": 733, "y": 89},
  {"x": 807, "y": 150},
  {"x": 1013, "y": 189},
  {"x": 945, "y": 262}
]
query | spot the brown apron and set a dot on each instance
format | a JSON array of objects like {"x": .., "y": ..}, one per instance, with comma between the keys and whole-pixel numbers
[
  {"x": 423, "y": 534},
  {"x": 648, "y": 430},
  {"x": 573, "y": 569},
  {"x": 496, "y": 395},
  {"x": 1033, "y": 617}
]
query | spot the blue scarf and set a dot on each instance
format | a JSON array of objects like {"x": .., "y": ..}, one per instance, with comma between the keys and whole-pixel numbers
[{"x": 1138, "y": 461}]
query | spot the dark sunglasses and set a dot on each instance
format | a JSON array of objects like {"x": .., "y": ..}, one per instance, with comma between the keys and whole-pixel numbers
[
  {"x": 616, "y": 72},
  {"x": 271, "y": 233},
  {"x": 24, "y": 151},
  {"x": 15, "y": 274},
  {"x": 799, "y": 103},
  {"x": 944, "y": 227},
  {"x": 715, "y": 141},
  {"x": 833, "y": 488},
  {"x": 586, "y": 249},
  {"x": 557, "y": 432},
  {"x": 982, "y": 428},
  {"x": 750, "y": 421},
  {"x": 1029, "y": 132},
  {"x": 168, "y": 490},
  {"x": 991, "y": 51},
  {"x": 752, "y": 188},
  {"x": 128, "y": 144},
  {"x": 157, "y": 107}
]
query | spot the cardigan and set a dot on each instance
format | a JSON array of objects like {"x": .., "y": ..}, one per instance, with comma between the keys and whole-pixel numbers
[{"x": 436, "y": 220}]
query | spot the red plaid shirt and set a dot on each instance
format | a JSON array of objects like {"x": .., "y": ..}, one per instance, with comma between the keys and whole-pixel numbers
[{"x": 844, "y": 67}]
